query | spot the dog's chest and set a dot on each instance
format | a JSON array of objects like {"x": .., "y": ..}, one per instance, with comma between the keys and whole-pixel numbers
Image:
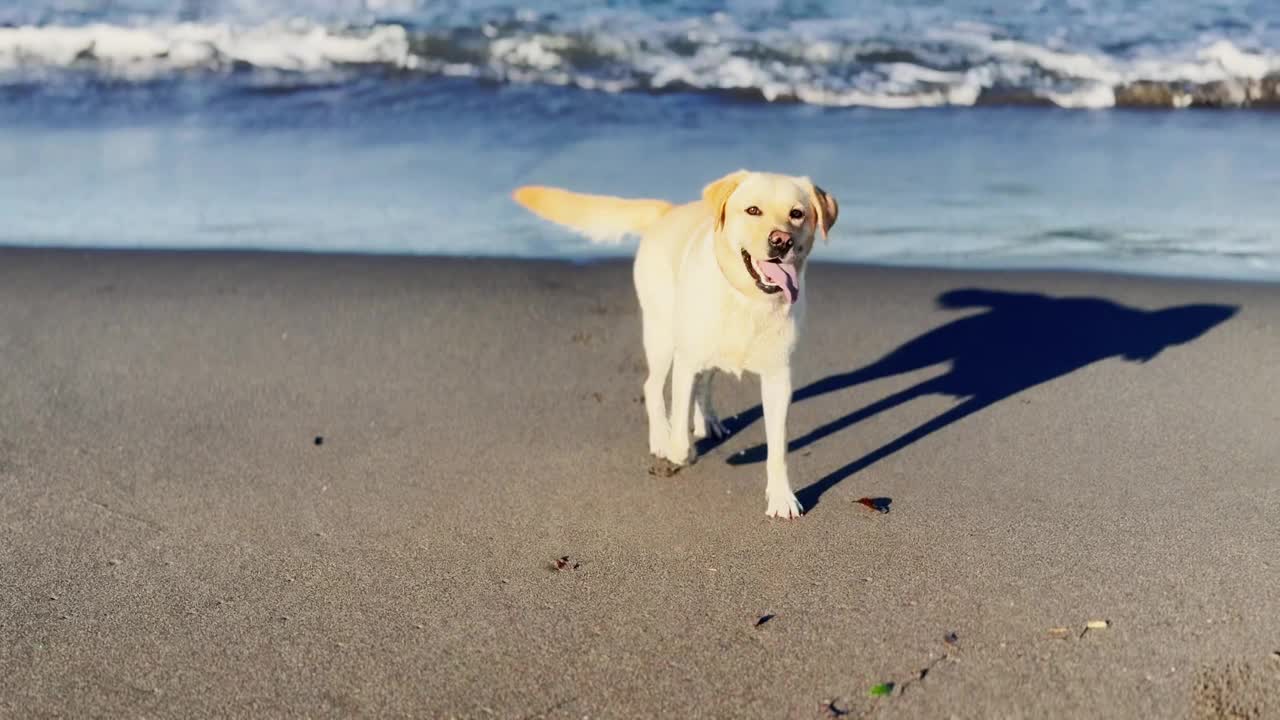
[{"x": 753, "y": 340}]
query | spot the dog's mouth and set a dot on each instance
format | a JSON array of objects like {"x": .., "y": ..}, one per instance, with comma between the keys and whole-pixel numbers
[{"x": 773, "y": 276}]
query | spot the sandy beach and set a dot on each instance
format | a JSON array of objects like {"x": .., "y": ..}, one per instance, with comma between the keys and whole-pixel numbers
[{"x": 238, "y": 485}]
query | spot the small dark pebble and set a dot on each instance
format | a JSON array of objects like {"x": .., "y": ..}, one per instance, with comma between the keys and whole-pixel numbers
[
  {"x": 834, "y": 711},
  {"x": 764, "y": 619},
  {"x": 319, "y": 440},
  {"x": 951, "y": 638}
]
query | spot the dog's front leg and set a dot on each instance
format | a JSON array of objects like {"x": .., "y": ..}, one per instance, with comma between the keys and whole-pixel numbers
[
  {"x": 683, "y": 375},
  {"x": 775, "y": 391},
  {"x": 705, "y": 421}
]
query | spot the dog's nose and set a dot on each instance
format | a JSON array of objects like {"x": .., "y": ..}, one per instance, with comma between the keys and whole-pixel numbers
[{"x": 779, "y": 243}]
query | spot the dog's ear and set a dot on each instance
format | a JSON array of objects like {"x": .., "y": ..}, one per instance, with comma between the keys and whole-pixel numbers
[
  {"x": 825, "y": 208},
  {"x": 715, "y": 195}
]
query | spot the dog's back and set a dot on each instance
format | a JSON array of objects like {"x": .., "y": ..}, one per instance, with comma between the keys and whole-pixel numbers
[
  {"x": 665, "y": 231},
  {"x": 668, "y": 239}
]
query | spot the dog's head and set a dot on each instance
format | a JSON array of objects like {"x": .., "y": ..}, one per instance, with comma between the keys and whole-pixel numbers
[{"x": 766, "y": 226}]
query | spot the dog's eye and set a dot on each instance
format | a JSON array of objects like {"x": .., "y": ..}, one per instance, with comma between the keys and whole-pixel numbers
[
  {"x": 753, "y": 210},
  {"x": 797, "y": 214}
]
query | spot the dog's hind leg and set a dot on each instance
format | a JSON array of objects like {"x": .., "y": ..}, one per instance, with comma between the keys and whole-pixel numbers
[
  {"x": 659, "y": 347},
  {"x": 705, "y": 421},
  {"x": 683, "y": 374},
  {"x": 655, "y": 289},
  {"x": 701, "y": 404}
]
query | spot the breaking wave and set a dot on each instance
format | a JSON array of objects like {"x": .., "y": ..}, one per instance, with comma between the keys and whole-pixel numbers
[{"x": 833, "y": 63}]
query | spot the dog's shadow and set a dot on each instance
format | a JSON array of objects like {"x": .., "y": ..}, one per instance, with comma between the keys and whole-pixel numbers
[{"x": 1018, "y": 341}]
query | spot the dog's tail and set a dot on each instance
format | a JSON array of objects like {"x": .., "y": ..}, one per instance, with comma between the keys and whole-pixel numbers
[{"x": 602, "y": 218}]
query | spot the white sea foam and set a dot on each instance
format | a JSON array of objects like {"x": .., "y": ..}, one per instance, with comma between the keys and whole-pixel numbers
[
  {"x": 300, "y": 47},
  {"x": 1093, "y": 97},
  {"x": 956, "y": 65}
]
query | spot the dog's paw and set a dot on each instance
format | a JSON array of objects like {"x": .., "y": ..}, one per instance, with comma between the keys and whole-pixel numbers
[
  {"x": 783, "y": 505},
  {"x": 718, "y": 429},
  {"x": 663, "y": 468},
  {"x": 682, "y": 459},
  {"x": 678, "y": 452},
  {"x": 711, "y": 427}
]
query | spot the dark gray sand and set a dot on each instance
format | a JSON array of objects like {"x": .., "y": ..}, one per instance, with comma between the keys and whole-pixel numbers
[{"x": 175, "y": 543}]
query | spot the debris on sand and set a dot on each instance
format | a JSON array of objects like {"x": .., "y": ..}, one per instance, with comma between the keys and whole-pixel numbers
[
  {"x": 1095, "y": 625},
  {"x": 764, "y": 619},
  {"x": 563, "y": 563},
  {"x": 319, "y": 440},
  {"x": 923, "y": 672},
  {"x": 879, "y": 504},
  {"x": 1062, "y": 633},
  {"x": 832, "y": 710},
  {"x": 882, "y": 690},
  {"x": 886, "y": 689}
]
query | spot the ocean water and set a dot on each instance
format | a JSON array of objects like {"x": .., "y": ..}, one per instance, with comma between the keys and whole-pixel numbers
[{"x": 1130, "y": 135}]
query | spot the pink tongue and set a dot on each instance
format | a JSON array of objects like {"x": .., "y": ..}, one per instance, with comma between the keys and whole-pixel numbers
[{"x": 782, "y": 275}]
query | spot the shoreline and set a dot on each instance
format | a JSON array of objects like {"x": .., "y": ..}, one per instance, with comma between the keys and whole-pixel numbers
[{"x": 1263, "y": 279}]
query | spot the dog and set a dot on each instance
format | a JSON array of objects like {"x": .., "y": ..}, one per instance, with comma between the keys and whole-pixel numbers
[{"x": 721, "y": 287}]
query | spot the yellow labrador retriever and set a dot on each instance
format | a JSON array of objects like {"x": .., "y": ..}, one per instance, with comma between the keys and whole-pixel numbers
[{"x": 720, "y": 286}]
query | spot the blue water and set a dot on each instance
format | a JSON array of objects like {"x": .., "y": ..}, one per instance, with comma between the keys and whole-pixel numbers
[{"x": 402, "y": 126}]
